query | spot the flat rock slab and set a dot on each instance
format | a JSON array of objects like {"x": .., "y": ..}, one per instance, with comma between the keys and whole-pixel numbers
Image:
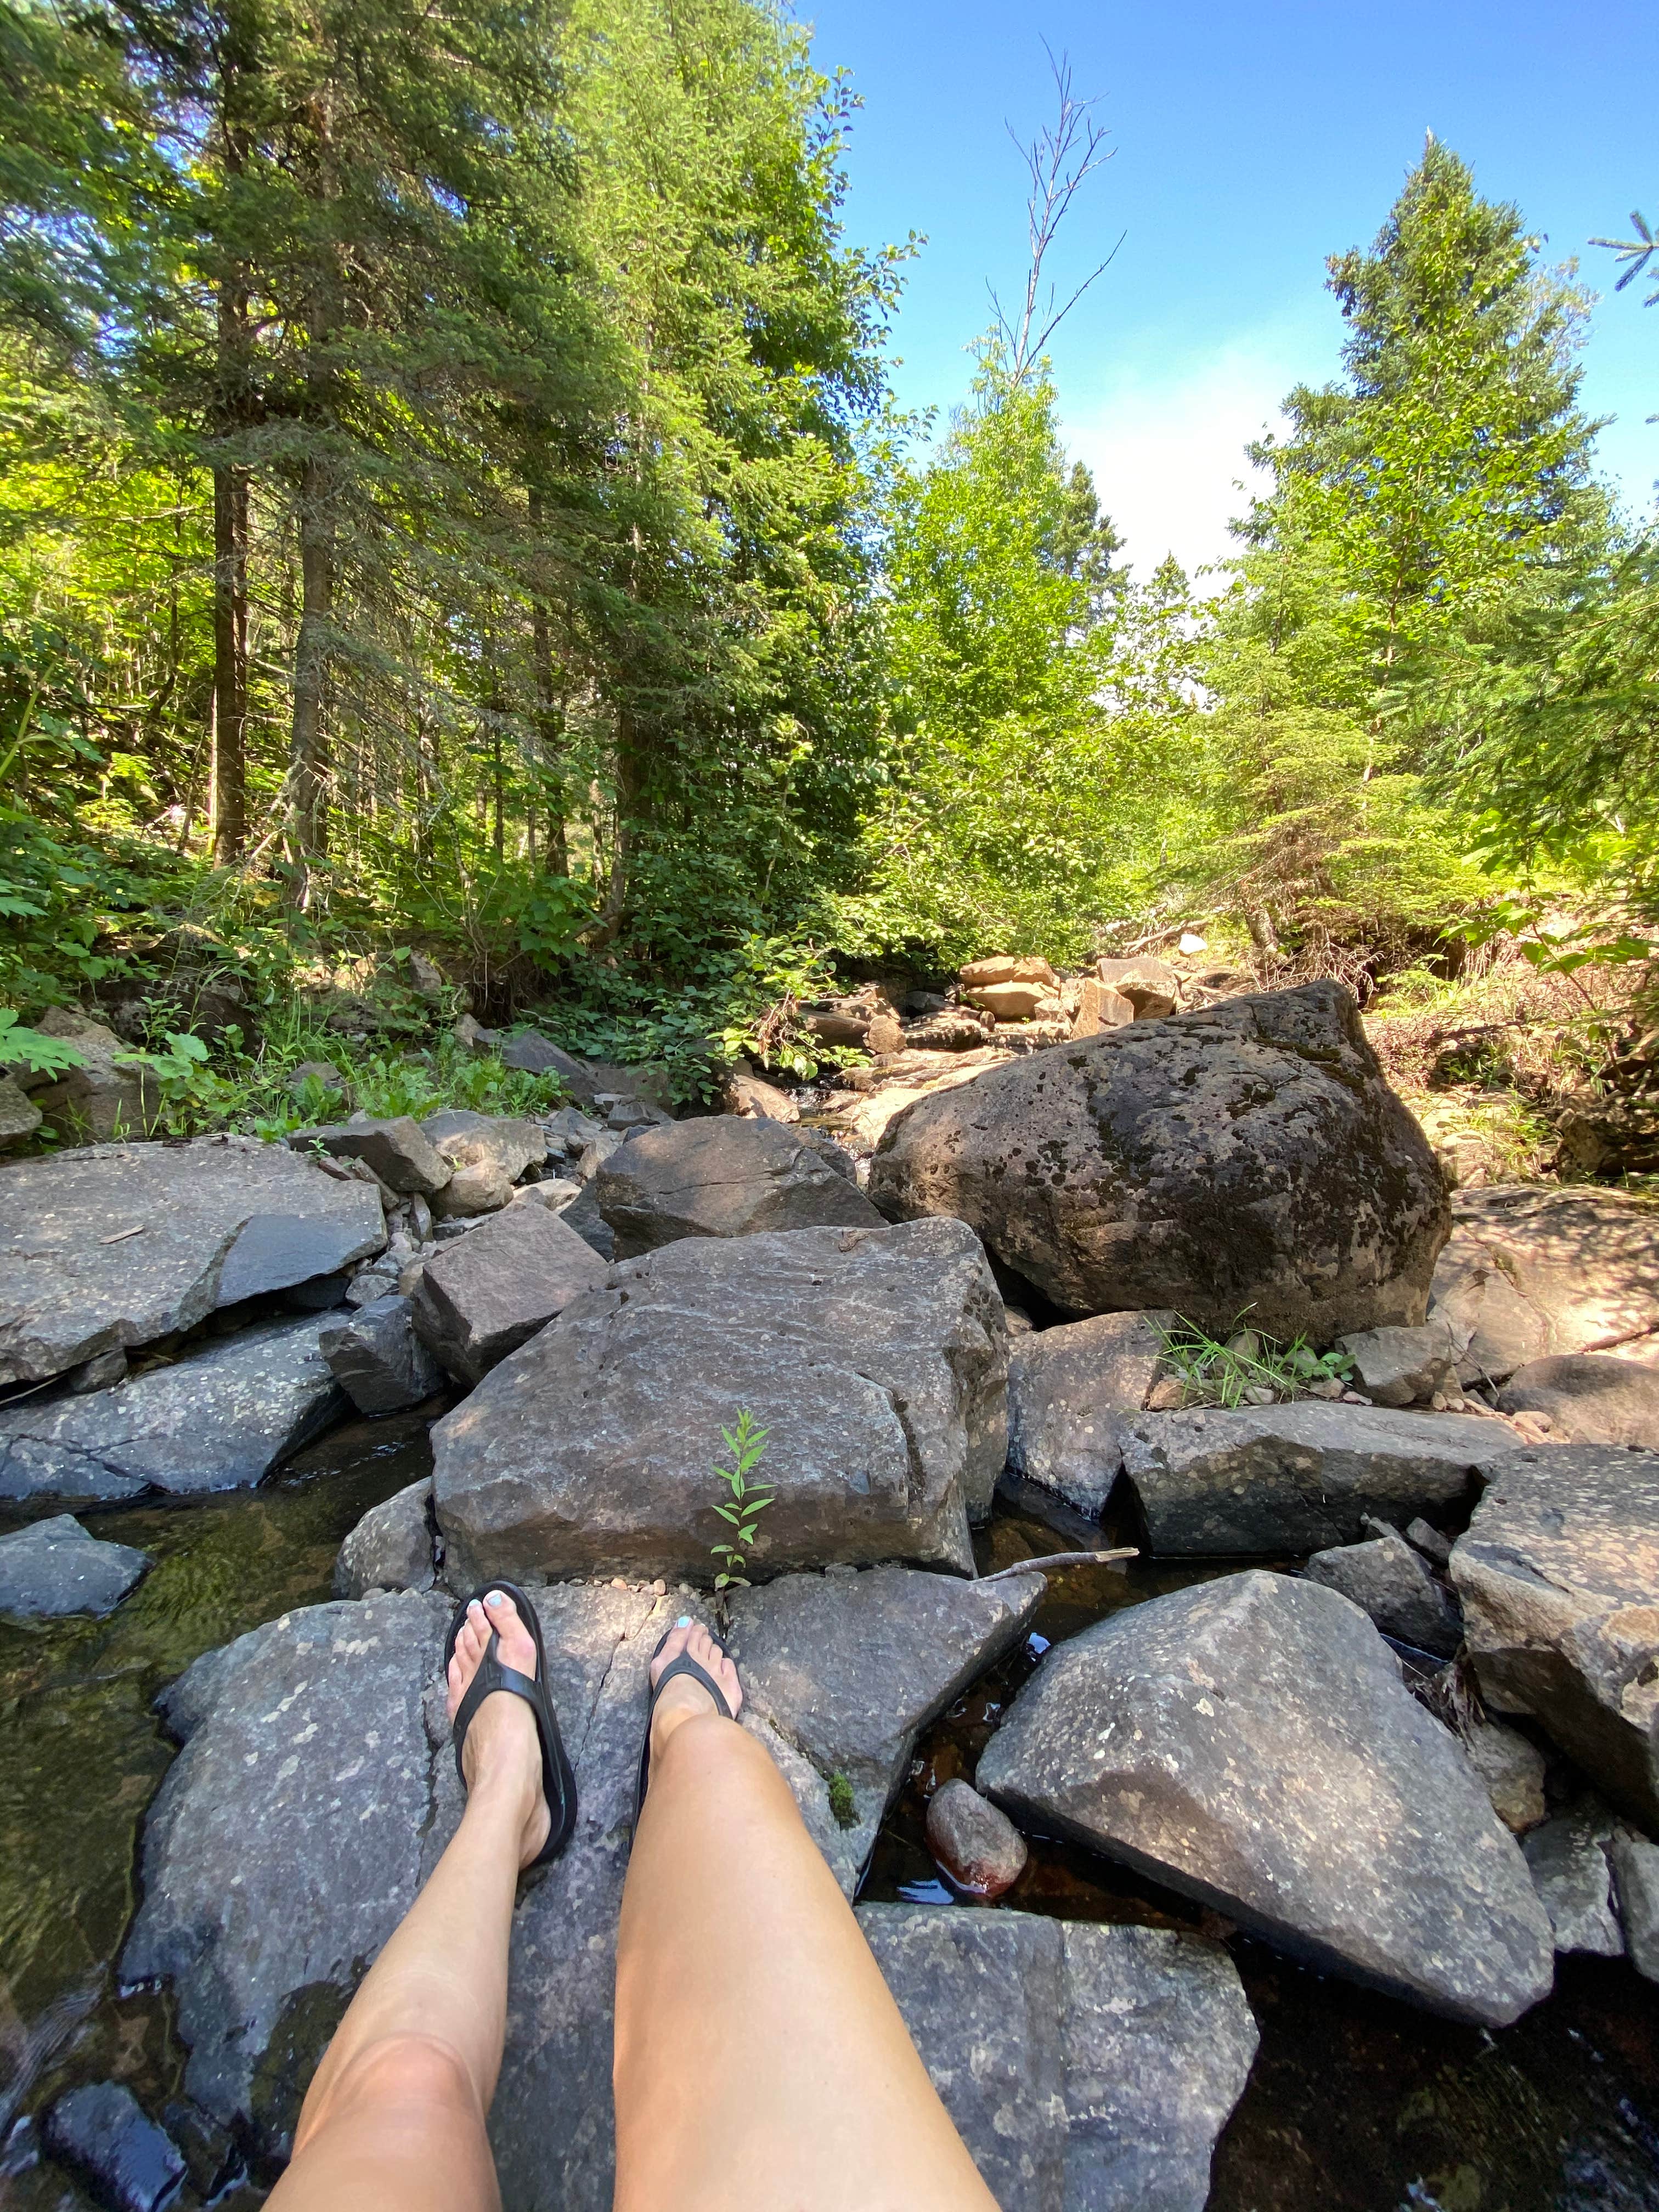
[
  {"x": 1071, "y": 1392},
  {"x": 484, "y": 1295},
  {"x": 1087, "y": 2069},
  {"x": 217, "y": 1220},
  {"x": 1558, "y": 1572},
  {"x": 1387, "y": 1580},
  {"x": 877, "y": 1360},
  {"x": 1590, "y": 1397},
  {"x": 1248, "y": 1155},
  {"x": 722, "y": 1175},
  {"x": 219, "y": 1420},
  {"x": 55, "y": 1567},
  {"x": 1531, "y": 1271},
  {"x": 842, "y": 1671},
  {"x": 1249, "y": 1742},
  {"x": 1298, "y": 1478}
]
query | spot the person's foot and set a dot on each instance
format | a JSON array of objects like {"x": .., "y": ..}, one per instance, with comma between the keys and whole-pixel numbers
[
  {"x": 685, "y": 1698},
  {"x": 501, "y": 1757}
]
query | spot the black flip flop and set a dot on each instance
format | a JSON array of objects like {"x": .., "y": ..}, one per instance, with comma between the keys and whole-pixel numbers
[
  {"x": 685, "y": 1664},
  {"x": 558, "y": 1782}
]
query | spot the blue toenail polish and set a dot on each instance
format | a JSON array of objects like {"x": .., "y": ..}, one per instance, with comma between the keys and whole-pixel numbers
[
  {"x": 684, "y": 1621},
  {"x": 493, "y": 1598}
]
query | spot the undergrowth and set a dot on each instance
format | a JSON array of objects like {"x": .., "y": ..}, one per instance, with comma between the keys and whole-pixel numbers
[{"x": 1246, "y": 1369}]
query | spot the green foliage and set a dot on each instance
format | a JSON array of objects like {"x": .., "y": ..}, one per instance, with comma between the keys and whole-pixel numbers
[
  {"x": 1246, "y": 1368},
  {"x": 22, "y": 1046},
  {"x": 747, "y": 1445},
  {"x": 843, "y": 1805}
]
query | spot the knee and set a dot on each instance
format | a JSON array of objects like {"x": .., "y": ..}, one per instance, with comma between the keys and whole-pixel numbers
[{"x": 410, "y": 2073}]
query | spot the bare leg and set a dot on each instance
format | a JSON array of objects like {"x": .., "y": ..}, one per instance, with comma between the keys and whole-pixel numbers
[
  {"x": 394, "y": 2119},
  {"x": 760, "y": 2062}
]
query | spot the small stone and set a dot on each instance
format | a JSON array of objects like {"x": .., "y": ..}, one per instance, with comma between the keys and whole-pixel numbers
[
  {"x": 1259, "y": 1394},
  {"x": 420, "y": 1219},
  {"x": 1567, "y": 1858},
  {"x": 54, "y": 1567},
  {"x": 1430, "y": 1541},
  {"x": 102, "y": 1373},
  {"x": 1388, "y": 1581},
  {"x": 103, "y": 2131},
  {"x": 19, "y": 1116},
  {"x": 1167, "y": 1396},
  {"x": 1636, "y": 1878},
  {"x": 1438, "y": 1401},
  {"x": 659, "y": 1588},
  {"x": 1400, "y": 1366},
  {"x": 372, "y": 1284},
  {"x": 1512, "y": 1767},
  {"x": 977, "y": 1845},
  {"x": 377, "y": 1359},
  {"x": 618, "y": 1582}
]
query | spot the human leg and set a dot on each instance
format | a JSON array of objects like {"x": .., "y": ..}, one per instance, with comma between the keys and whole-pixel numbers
[
  {"x": 395, "y": 2116},
  {"x": 760, "y": 2062}
]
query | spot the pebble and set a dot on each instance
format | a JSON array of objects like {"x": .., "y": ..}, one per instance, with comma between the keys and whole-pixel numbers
[
  {"x": 660, "y": 1588},
  {"x": 974, "y": 1841}
]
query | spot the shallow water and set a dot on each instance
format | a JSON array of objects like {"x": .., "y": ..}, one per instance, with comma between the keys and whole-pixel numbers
[{"x": 1355, "y": 2102}]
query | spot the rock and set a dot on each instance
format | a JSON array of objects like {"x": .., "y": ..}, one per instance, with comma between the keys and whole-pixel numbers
[
  {"x": 885, "y": 1033},
  {"x": 1512, "y": 1770},
  {"x": 102, "y": 1100},
  {"x": 556, "y": 1195},
  {"x": 1007, "y": 967},
  {"x": 750, "y": 1095},
  {"x": 330, "y": 1087},
  {"x": 583, "y": 1215},
  {"x": 955, "y": 1029},
  {"x": 215, "y": 1221},
  {"x": 1558, "y": 1571},
  {"x": 1249, "y": 1742},
  {"x": 1635, "y": 1879},
  {"x": 1568, "y": 1860},
  {"x": 1152, "y": 987},
  {"x": 1007, "y": 1002},
  {"x": 481, "y": 1187},
  {"x": 103, "y": 2131},
  {"x": 373, "y": 1285},
  {"x": 19, "y": 1116},
  {"x": 1590, "y": 1397},
  {"x": 978, "y": 1846},
  {"x": 572, "y": 1129},
  {"x": 483, "y": 1296},
  {"x": 1430, "y": 1541},
  {"x": 1072, "y": 1391},
  {"x": 219, "y": 1420},
  {"x": 1297, "y": 1478},
  {"x": 396, "y": 1148},
  {"x": 1100, "y": 1008},
  {"x": 378, "y": 1360},
  {"x": 841, "y": 1672},
  {"x": 1532, "y": 1271},
  {"x": 1401, "y": 1366},
  {"x": 536, "y": 1055},
  {"x": 1248, "y": 1155},
  {"x": 55, "y": 1567},
  {"x": 594, "y": 1155},
  {"x": 102, "y": 1373},
  {"x": 506, "y": 1141},
  {"x": 1386, "y": 1579},
  {"x": 391, "y": 1547},
  {"x": 840, "y": 1025},
  {"x": 876, "y": 1359},
  {"x": 722, "y": 1177},
  {"x": 1087, "y": 2069}
]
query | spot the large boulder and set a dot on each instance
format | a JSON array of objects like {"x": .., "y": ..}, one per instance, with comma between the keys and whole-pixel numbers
[
  {"x": 377, "y": 1359},
  {"x": 1532, "y": 1271},
  {"x": 116, "y": 1245},
  {"x": 876, "y": 1359},
  {"x": 1558, "y": 1572},
  {"x": 841, "y": 1671},
  {"x": 219, "y": 1420},
  {"x": 1087, "y": 2069},
  {"x": 722, "y": 1177},
  {"x": 484, "y": 1295},
  {"x": 1249, "y": 1742},
  {"x": 1248, "y": 1156},
  {"x": 1071, "y": 1393},
  {"x": 1298, "y": 1478},
  {"x": 1590, "y": 1397},
  {"x": 55, "y": 1567},
  {"x": 108, "y": 1097}
]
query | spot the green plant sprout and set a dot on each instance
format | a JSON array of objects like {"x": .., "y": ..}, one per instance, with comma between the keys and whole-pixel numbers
[
  {"x": 1246, "y": 1368},
  {"x": 26, "y": 1048},
  {"x": 747, "y": 1445}
]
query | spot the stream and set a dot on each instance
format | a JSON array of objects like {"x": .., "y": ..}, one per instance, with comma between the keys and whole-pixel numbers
[{"x": 1355, "y": 2102}]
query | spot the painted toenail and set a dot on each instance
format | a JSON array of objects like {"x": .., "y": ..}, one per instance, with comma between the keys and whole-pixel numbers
[
  {"x": 684, "y": 1621},
  {"x": 493, "y": 1598}
]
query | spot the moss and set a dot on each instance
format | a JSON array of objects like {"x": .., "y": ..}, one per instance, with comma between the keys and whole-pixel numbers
[{"x": 841, "y": 1802}]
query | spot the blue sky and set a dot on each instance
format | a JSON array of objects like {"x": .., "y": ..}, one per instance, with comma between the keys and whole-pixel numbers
[{"x": 1250, "y": 141}]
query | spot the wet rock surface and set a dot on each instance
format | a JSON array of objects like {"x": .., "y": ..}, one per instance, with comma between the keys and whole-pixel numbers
[
  {"x": 1590, "y": 1397},
  {"x": 1557, "y": 1572},
  {"x": 482, "y": 1296},
  {"x": 722, "y": 1177},
  {"x": 980, "y": 1850},
  {"x": 220, "y": 1419},
  {"x": 1300, "y": 1477},
  {"x": 377, "y": 1359},
  {"x": 392, "y": 1547},
  {"x": 1071, "y": 1392},
  {"x": 1248, "y": 1155},
  {"x": 57, "y": 1567},
  {"x": 101, "y": 2131},
  {"x": 876, "y": 1359},
  {"x": 1087, "y": 2069},
  {"x": 1386, "y": 1579},
  {"x": 113, "y": 1246},
  {"x": 1249, "y": 1743}
]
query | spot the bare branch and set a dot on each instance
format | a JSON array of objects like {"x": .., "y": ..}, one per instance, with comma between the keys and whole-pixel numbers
[{"x": 1058, "y": 161}]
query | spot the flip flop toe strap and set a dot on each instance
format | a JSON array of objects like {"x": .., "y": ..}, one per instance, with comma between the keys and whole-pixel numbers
[
  {"x": 492, "y": 1675},
  {"x": 685, "y": 1664}
]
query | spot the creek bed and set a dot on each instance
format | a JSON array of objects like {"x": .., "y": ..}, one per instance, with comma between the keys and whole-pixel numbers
[{"x": 1355, "y": 2104}]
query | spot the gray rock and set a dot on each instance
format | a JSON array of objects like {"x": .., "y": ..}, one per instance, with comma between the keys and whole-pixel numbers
[
  {"x": 106, "y": 1098},
  {"x": 536, "y": 1055},
  {"x": 1071, "y": 1392},
  {"x": 378, "y": 1360},
  {"x": 1298, "y": 1478},
  {"x": 102, "y": 1373},
  {"x": 842, "y": 1672},
  {"x": 102, "y": 2130},
  {"x": 977, "y": 1845},
  {"x": 1386, "y": 1579},
  {"x": 583, "y": 1215},
  {"x": 876, "y": 1359},
  {"x": 1402, "y": 1366},
  {"x": 1087, "y": 2069},
  {"x": 513, "y": 1143},
  {"x": 1635, "y": 1879},
  {"x": 1430, "y": 1541},
  {"x": 1531, "y": 1271},
  {"x": 391, "y": 1547},
  {"x": 481, "y": 1187},
  {"x": 372, "y": 1285},
  {"x": 219, "y": 1420},
  {"x": 595, "y": 1155},
  {"x": 1591, "y": 1397},
  {"x": 19, "y": 1116},
  {"x": 722, "y": 1177},
  {"x": 1556, "y": 1572},
  {"x": 1249, "y": 1742},
  {"x": 1250, "y": 1154},
  {"x": 572, "y": 1129},
  {"x": 1512, "y": 1769},
  {"x": 751, "y": 1095},
  {"x": 55, "y": 1567},
  {"x": 484, "y": 1295},
  {"x": 72, "y": 1284},
  {"x": 396, "y": 1148},
  {"x": 1568, "y": 1860}
]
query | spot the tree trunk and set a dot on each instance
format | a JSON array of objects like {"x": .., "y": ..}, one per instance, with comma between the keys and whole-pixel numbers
[
  {"x": 227, "y": 804},
  {"x": 307, "y": 748}
]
